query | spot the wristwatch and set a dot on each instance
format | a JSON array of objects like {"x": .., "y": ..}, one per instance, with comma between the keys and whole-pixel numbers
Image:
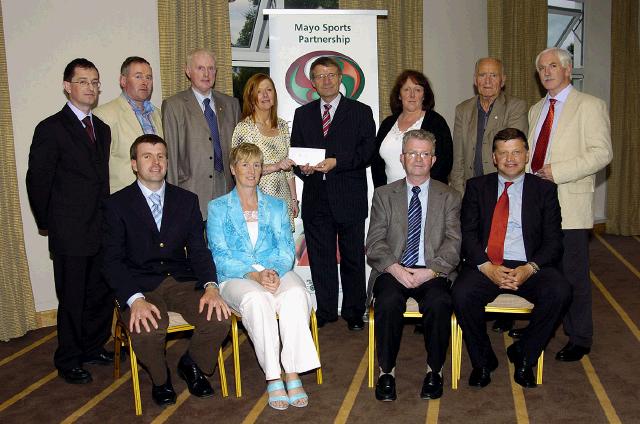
[{"x": 535, "y": 266}]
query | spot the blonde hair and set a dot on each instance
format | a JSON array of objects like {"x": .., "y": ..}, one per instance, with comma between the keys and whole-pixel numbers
[{"x": 244, "y": 152}]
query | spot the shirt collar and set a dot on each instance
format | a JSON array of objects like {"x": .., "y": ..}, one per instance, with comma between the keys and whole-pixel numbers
[
  {"x": 146, "y": 192},
  {"x": 517, "y": 180},
  {"x": 424, "y": 187},
  {"x": 334, "y": 103},
  {"x": 147, "y": 107},
  {"x": 201, "y": 97},
  {"x": 562, "y": 95},
  {"x": 80, "y": 114}
]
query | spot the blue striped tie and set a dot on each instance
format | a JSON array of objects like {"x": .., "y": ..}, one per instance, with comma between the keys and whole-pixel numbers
[
  {"x": 410, "y": 256},
  {"x": 156, "y": 208},
  {"x": 212, "y": 121}
]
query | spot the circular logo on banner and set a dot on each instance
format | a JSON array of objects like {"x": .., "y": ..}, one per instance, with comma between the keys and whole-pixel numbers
[{"x": 300, "y": 88}]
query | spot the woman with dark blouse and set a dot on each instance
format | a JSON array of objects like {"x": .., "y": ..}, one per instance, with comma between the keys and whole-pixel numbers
[{"x": 412, "y": 103}]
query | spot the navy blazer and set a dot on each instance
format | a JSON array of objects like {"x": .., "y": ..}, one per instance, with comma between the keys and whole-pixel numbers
[
  {"x": 138, "y": 257},
  {"x": 67, "y": 179},
  {"x": 351, "y": 141},
  {"x": 541, "y": 219}
]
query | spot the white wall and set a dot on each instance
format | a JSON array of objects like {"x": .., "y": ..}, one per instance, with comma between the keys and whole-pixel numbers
[
  {"x": 41, "y": 37},
  {"x": 455, "y": 36}
]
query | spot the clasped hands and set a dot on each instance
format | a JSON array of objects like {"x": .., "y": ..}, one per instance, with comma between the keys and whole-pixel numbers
[
  {"x": 267, "y": 278},
  {"x": 410, "y": 277},
  {"x": 505, "y": 277},
  {"x": 324, "y": 166},
  {"x": 144, "y": 314}
]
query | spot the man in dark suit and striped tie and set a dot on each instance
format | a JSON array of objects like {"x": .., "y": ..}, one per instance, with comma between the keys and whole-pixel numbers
[
  {"x": 334, "y": 198},
  {"x": 413, "y": 247}
]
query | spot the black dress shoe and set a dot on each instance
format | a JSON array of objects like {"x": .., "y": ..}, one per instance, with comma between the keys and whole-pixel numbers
[
  {"x": 322, "y": 321},
  {"x": 572, "y": 352},
  {"x": 502, "y": 324},
  {"x": 102, "y": 357},
  {"x": 355, "y": 324},
  {"x": 386, "y": 388},
  {"x": 164, "y": 394},
  {"x": 516, "y": 333},
  {"x": 481, "y": 376},
  {"x": 523, "y": 374},
  {"x": 194, "y": 377},
  {"x": 431, "y": 386},
  {"x": 76, "y": 375}
]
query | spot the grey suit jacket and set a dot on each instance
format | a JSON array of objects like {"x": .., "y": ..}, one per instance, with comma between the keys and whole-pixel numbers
[
  {"x": 189, "y": 143},
  {"x": 387, "y": 236},
  {"x": 507, "y": 112}
]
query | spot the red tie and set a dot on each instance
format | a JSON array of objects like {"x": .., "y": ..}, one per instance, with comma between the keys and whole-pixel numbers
[
  {"x": 495, "y": 247},
  {"x": 89, "y": 129},
  {"x": 326, "y": 119},
  {"x": 543, "y": 139}
]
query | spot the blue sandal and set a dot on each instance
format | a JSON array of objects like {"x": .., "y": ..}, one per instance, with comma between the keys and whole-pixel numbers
[
  {"x": 294, "y": 384},
  {"x": 272, "y": 387}
]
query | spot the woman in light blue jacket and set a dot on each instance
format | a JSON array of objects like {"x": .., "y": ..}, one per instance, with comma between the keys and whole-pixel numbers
[{"x": 250, "y": 238}]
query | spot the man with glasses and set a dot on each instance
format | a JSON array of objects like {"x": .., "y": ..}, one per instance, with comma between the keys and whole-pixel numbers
[
  {"x": 129, "y": 115},
  {"x": 198, "y": 124},
  {"x": 67, "y": 180},
  {"x": 413, "y": 247},
  {"x": 334, "y": 198}
]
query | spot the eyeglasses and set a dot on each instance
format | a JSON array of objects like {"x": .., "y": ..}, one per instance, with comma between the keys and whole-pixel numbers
[
  {"x": 87, "y": 83},
  {"x": 422, "y": 155},
  {"x": 325, "y": 76}
]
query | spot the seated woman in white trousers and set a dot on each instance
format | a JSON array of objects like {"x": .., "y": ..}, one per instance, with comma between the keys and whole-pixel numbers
[{"x": 250, "y": 237}]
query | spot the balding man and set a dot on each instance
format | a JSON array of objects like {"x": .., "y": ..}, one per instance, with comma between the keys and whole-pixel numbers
[
  {"x": 198, "y": 124},
  {"x": 479, "y": 118}
]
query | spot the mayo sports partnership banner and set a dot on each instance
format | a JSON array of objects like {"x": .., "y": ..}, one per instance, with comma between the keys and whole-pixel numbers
[{"x": 296, "y": 39}]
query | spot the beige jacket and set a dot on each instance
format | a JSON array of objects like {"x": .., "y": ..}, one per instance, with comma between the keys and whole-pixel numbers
[{"x": 580, "y": 146}]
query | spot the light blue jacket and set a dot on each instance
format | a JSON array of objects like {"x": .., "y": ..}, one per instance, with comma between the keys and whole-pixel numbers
[{"x": 229, "y": 240}]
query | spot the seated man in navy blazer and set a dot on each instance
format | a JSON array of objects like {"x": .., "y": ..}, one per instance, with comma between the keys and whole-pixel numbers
[
  {"x": 511, "y": 243},
  {"x": 157, "y": 261}
]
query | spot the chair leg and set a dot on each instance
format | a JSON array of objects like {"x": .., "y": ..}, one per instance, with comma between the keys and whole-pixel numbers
[
  {"x": 236, "y": 354},
  {"x": 316, "y": 341},
  {"x": 454, "y": 339},
  {"x": 223, "y": 374},
  {"x": 372, "y": 344},
  {"x": 135, "y": 378},
  {"x": 539, "y": 368},
  {"x": 117, "y": 346},
  {"x": 458, "y": 356}
]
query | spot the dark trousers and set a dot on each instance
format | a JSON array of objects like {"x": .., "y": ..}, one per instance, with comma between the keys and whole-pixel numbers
[
  {"x": 321, "y": 231},
  {"x": 85, "y": 308},
  {"x": 181, "y": 297},
  {"x": 578, "y": 323},
  {"x": 434, "y": 300},
  {"x": 547, "y": 289}
]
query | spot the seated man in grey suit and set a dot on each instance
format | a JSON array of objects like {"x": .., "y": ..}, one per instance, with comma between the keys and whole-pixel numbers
[
  {"x": 156, "y": 261},
  {"x": 413, "y": 245}
]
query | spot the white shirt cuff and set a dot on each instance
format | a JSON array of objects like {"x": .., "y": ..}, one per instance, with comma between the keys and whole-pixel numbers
[{"x": 133, "y": 298}]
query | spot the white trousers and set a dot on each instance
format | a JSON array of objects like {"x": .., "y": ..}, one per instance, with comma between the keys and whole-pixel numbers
[{"x": 258, "y": 308}]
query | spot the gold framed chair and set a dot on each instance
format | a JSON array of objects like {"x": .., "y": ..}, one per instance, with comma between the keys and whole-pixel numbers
[
  {"x": 235, "y": 316},
  {"x": 121, "y": 337},
  {"x": 412, "y": 311},
  {"x": 505, "y": 304}
]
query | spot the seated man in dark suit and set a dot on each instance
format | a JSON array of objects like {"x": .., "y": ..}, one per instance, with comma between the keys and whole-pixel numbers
[
  {"x": 511, "y": 243},
  {"x": 413, "y": 244},
  {"x": 157, "y": 261}
]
